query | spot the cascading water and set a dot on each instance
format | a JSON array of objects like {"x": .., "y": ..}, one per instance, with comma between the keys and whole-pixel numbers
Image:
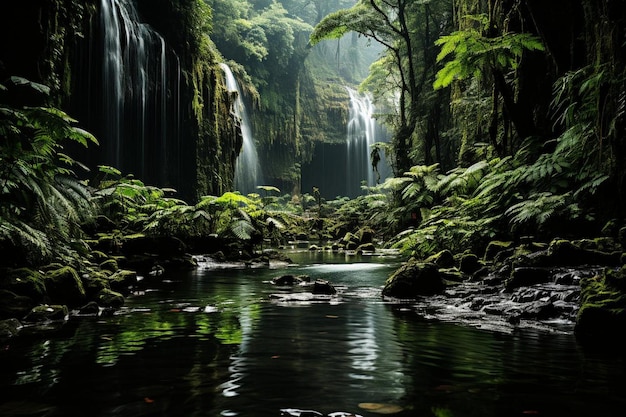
[
  {"x": 141, "y": 96},
  {"x": 247, "y": 167},
  {"x": 362, "y": 132}
]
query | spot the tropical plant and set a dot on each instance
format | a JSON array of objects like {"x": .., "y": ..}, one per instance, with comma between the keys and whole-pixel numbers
[{"x": 42, "y": 201}]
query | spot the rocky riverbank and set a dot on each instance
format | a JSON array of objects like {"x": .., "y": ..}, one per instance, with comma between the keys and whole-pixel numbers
[{"x": 563, "y": 286}]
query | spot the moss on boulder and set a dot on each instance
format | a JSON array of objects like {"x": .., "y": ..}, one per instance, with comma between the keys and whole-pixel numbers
[
  {"x": 414, "y": 279},
  {"x": 443, "y": 259},
  {"x": 495, "y": 247},
  {"x": 109, "y": 298},
  {"x": 603, "y": 305},
  {"x": 64, "y": 286},
  {"x": 24, "y": 281},
  {"x": 43, "y": 313},
  {"x": 470, "y": 263},
  {"x": 122, "y": 280}
]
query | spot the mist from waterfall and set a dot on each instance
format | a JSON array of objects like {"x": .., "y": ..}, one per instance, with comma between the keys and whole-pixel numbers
[
  {"x": 141, "y": 123},
  {"x": 247, "y": 167}
]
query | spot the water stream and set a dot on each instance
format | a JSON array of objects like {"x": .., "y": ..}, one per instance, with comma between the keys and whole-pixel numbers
[{"x": 215, "y": 342}]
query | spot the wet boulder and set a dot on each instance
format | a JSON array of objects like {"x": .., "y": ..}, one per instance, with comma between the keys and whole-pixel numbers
[
  {"x": 64, "y": 286},
  {"x": 24, "y": 281},
  {"x": 322, "y": 287},
  {"x": 414, "y": 279},
  {"x": 602, "y": 311},
  {"x": 527, "y": 276},
  {"x": 443, "y": 259},
  {"x": 495, "y": 247},
  {"x": 44, "y": 313},
  {"x": 289, "y": 280},
  {"x": 470, "y": 263},
  {"x": 109, "y": 298},
  {"x": 562, "y": 252},
  {"x": 91, "y": 308},
  {"x": 9, "y": 328},
  {"x": 122, "y": 280}
]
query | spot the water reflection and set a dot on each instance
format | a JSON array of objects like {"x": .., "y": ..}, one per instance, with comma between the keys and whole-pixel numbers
[{"x": 210, "y": 343}]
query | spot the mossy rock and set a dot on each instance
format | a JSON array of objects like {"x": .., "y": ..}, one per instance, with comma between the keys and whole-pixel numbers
[
  {"x": 414, "y": 279},
  {"x": 495, "y": 247},
  {"x": 109, "y": 298},
  {"x": 122, "y": 280},
  {"x": 26, "y": 282},
  {"x": 366, "y": 247},
  {"x": 602, "y": 313},
  {"x": 9, "y": 328},
  {"x": 470, "y": 263},
  {"x": 350, "y": 239},
  {"x": 43, "y": 313},
  {"x": 95, "y": 281},
  {"x": 566, "y": 253},
  {"x": 527, "y": 276},
  {"x": 64, "y": 286},
  {"x": 443, "y": 259},
  {"x": 365, "y": 235},
  {"x": 98, "y": 256}
]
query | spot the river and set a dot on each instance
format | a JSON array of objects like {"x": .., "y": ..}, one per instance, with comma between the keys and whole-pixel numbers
[{"x": 214, "y": 342}]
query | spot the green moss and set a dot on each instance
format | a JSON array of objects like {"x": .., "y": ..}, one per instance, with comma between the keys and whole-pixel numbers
[
  {"x": 64, "y": 286},
  {"x": 603, "y": 303},
  {"x": 25, "y": 281}
]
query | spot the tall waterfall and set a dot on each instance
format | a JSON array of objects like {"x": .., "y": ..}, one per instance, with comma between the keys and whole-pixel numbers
[
  {"x": 362, "y": 132},
  {"x": 140, "y": 127},
  {"x": 247, "y": 167}
]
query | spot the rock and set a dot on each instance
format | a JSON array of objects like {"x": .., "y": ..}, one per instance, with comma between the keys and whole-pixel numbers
[
  {"x": 524, "y": 277},
  {"x": 602, "y": 313},
  {"x": 122, "y": 280},
  {"x": 93, "y": 282},
  {"x": 565, "y": 253},
  {"x": 495, "y": 247},
  {"x": 365, "y": 235},
  {"x": 323, "y": 287},
  {"x": 290, "y": 279},
  {"x": 65, "y": 287},
  {"x": 366, "y": 247},
  {"x": 9, "y": 328},
  {"x": 414, "y": 279},
  {"x": 26, "y": 282},
  {"x": 470, "y": 263},
  {"x": 109, "y": 298},
  {"x": 91, "y": 308},
  {"x": 443, "y": 259},
  {"x": 13, "y": 305},
  {"x": 43, "y": 313}
]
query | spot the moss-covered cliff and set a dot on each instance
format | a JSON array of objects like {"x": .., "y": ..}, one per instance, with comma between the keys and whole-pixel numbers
[{"x": 185, "y": 137}]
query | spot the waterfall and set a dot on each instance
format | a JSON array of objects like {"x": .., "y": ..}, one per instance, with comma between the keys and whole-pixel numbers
[
  {"x": 247, "y": 168},
  {"x": 140, "y": 126},
  {"x": 362, "y": 132}
]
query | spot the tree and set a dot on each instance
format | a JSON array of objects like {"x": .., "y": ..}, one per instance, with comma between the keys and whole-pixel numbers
[{"x": 406, "y": 29}]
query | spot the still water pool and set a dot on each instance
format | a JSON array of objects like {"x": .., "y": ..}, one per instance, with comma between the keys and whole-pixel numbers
[{"x": 213, "y": 342}]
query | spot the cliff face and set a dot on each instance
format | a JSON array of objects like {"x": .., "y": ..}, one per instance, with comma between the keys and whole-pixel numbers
[{"x": 151, "y": 92}]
